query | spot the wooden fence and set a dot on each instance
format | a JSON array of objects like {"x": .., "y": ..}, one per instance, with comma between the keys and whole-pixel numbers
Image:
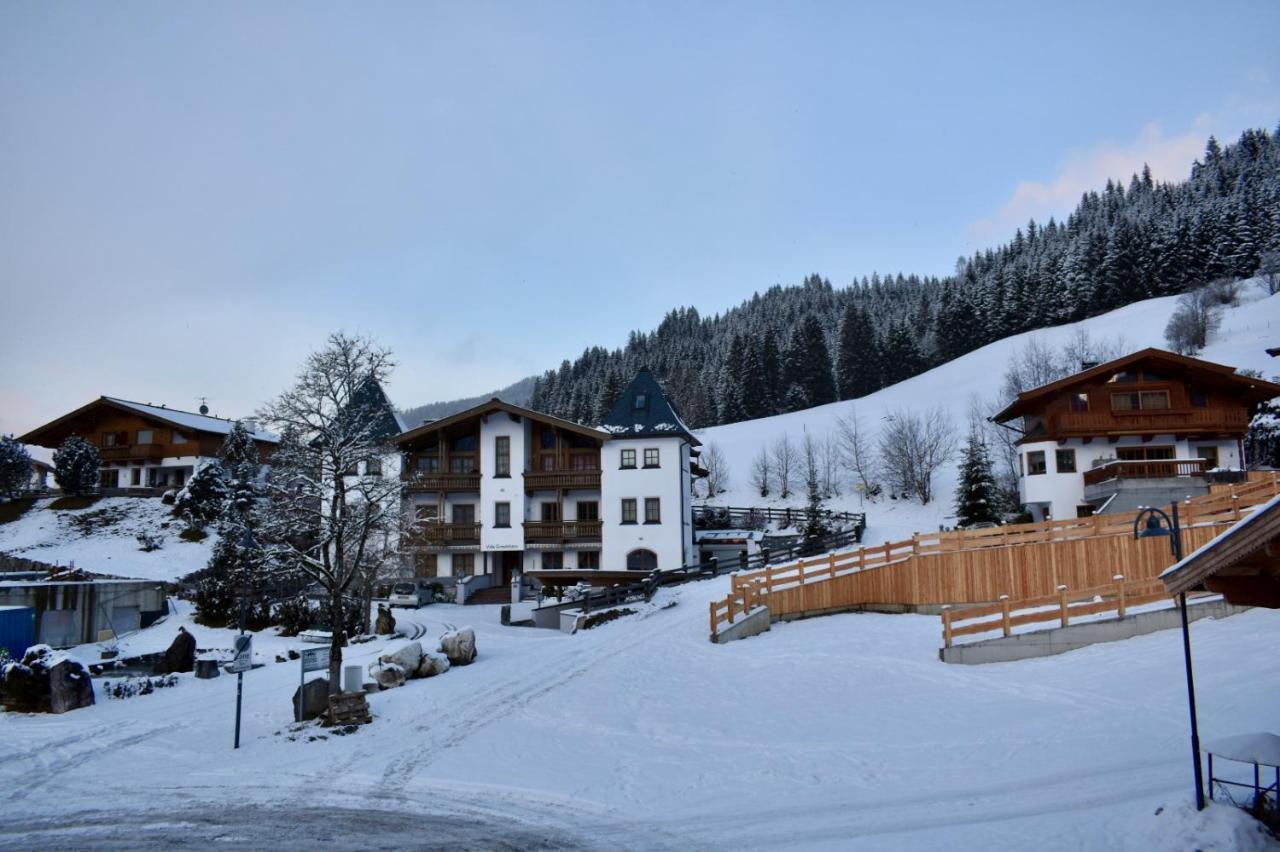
[{"x": 1023, "y": 561}]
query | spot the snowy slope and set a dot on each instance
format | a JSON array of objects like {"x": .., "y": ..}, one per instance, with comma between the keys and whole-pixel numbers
[
  {"x": 103, "y": 538},
  {"x": 1245, "y": 332},
  {"x": 836, "y": 733}
]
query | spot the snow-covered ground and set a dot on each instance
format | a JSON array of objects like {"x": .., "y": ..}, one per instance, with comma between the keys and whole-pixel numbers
[
  {"x": 835, "y": 733},
  {"x": 1246, "y": 331},
  {"x": 103, "y": 538}
]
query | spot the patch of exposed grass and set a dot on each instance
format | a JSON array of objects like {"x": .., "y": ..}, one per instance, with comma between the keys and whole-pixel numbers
[
  {"x": 193, "y": 535},
  {"x": 11, "y": 510},
  {"x": 67, "y": 503}
]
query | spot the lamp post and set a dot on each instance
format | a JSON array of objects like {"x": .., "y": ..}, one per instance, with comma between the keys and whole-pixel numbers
[{"x": 1154, "y": 523}]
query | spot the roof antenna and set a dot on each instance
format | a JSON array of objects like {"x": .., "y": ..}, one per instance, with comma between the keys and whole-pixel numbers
[{"x": 204, "y": 405}]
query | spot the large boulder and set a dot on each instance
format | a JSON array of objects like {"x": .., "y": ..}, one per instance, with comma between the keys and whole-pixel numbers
[
  {"x": 459, "y": 646},
  {"x": 386, "y": 624},
  {"x": 45, "y": 682},
  {"x": 314, "y": 696},
  {"x": 408, "y": 657},
  {"x": 70, "y": 686},
  {"x": 180, "y": 655},
  {"x": 431, "y": 666},
  {"x": 387, "y": 675}
]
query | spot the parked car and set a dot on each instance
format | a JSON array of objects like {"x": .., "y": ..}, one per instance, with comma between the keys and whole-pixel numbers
[{"x": 410, "y": 594}]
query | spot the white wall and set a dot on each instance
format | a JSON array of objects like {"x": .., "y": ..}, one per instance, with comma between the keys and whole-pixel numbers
[
  {"x": 669, "y": 539},
  {"x": 495, "y": 489}
]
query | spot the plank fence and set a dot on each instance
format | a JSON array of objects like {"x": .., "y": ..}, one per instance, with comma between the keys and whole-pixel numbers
[{"x": 1023, "y": 561}]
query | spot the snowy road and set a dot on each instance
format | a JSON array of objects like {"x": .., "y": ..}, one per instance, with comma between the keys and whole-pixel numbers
[{"x": 833, "y": 733}]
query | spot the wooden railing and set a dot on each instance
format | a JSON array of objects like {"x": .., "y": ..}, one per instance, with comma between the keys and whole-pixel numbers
[
  {"x": 146, "y": 451},
  {"x": 1060, "y": 607},
  {"x": 560, "y": 531},
  {"x": 1161, "y": 469},
  {"x": 978, "y": 566},
  {"x": 418, "y": 481},
  {"x": 1165, "y": 420},
  {"x": 552, "y": 479},
  {"x": 426, "y": 533}
]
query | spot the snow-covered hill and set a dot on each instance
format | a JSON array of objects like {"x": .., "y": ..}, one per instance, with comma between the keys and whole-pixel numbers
[
  {"x": 103, "y": 538},
  {"x": 1246, "y": 331}
]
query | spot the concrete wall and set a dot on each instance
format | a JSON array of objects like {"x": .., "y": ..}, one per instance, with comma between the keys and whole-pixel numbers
[
  {"x": 756, "y": 622},
  {"x": 1059, "y": 640}
]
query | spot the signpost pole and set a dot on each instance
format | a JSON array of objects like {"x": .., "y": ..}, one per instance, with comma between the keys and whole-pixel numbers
[
  {"x": 247, "y": 543},
  {"x": 302, "y": 684}
]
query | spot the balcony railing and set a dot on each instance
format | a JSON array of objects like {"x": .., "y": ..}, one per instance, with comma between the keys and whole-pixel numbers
[
  {"x": 1164, "y": 420},
  {"x": 536, "y": 480},
  {"x": 445, "y": 535},
  {"x": 418, "y": 481},
  {"x": 543, "y": 532},
  {"x": 1162, "y": 469},
  {"x": 128, "y": 452}
]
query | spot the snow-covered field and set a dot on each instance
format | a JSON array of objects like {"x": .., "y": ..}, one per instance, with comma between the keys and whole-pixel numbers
[
  {"x": 1246, "y": 331},
  {"x": 103, "y": 538},
  {"x": 837, "y": 733}
]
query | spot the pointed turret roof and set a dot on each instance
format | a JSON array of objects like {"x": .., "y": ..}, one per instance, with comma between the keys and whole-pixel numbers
[
  {"x": 643, "y": 411},
  {"x": 370, "y": 401}
]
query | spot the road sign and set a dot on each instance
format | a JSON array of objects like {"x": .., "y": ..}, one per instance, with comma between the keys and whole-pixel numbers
[
  {"x": 315, "y": 659},
  {"x": 243, "y": 660}
]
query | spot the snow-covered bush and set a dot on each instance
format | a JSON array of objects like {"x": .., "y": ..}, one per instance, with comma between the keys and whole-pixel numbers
[
  {"x": 15, "y": 467},
  {"x": 77, "y": 467},
  {"x": 148, "y": 542},
  {"x": 294, "y": 615},
  {"x": 201, "y": 500},
  {"x": 1262, "y": 444},
  {"x": 129, "y": 687}
]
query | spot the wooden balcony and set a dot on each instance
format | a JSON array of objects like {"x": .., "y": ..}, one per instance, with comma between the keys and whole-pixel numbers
[
  {"x": 444, "y": 535},
  {"x": 557, "y": 532},
  {"x": 415, "y": 481},
  {"x": 539, "y": 480},
  {"x": 141, "y": 452},
  {"x": 1167, "y": 420},
  {"x": 1163, "y": 469}
]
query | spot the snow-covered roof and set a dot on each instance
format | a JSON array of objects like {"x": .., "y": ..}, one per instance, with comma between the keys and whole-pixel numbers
[
  {"x": 1190, "y": 565},
  {"x": 728, "y": 535},
  {"x": 643, "y": 411},
  {"x": 188, "y": 419},
  {"x": 1261, "y": 748}
]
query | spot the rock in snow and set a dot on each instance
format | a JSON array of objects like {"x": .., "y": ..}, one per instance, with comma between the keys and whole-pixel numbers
[
  {"x": 180, "y": 656},
  {"x": 459, "y": 646},
  {"x": 46, "y": 682},
  {"x": 315, "y": 698},
  {"x": 408, "y": 657}
]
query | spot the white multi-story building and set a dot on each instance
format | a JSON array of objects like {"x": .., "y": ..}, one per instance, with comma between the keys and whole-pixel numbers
[{"x": 499, "y": 489}]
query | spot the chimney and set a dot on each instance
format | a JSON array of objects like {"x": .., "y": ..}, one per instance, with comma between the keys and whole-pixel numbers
[
  {"x": 250, "y": 423},
  {"x": 1087, "y": 365}
]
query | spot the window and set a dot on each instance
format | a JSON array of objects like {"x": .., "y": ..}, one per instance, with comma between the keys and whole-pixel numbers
[
  {"x": 628, "y": 459},
  {"x": 1144, "y": 453},
  {"x": 502, "y": 514},
  {"x": 1210, "y": 456},
  {"x": 548, "y": 462},
  {"x": 146, "y": 436},
  {"x": 1036, "y": 463},
  {"x": 424, "y": 565},
  {"x": 584, "y": 461},
  {"x": 589, "y": 560},
  {"x": 1080, "y": 402},
  {"x": 373, "y": 467},
  {"x": 652, "y": 510},
  {"x": 1199, "y": 399},
  {"x": 641, "y": 401},
  {"x": 552, "y": 560},
  {"x": 135, "y": 476},
  {"x": 642, "y": 560},
  {"x": 547, "y": 438},
  {"x": 550, "y": 512},
  {"x": 464, "y": 513},
  {"x": 1144, "y": 401},
  {"x": 502, "y": 455},
  {"x": 107, "y": 478},
  {"x": 462, "y": 464},
  {"x": 1150, "y": 376},
  {"x": 464, "y": 444},
  {"x": 464, "y": 564},
  {"x": 115, "y": 439},
  {"x": 628, "y": 510},
  {"x": 428, "y": 464},
  {"x": 353, "y": 469},
  {"x": 651, "y": 457},
  {"x": 588, "y": 510},
  {"x": 1066, "y": 461},
  {"x": 179, "y": 438}
]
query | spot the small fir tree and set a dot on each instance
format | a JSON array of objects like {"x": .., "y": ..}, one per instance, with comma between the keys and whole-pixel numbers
[
  {"x": 977, "y": 498},
  {"x": 817, "y": 522},
  {"x": 15, "y": 467},
  {"x": 77, "y": 467},
  {"x": 1262, "y": 444},
  {"x": 201, "y": 500}
]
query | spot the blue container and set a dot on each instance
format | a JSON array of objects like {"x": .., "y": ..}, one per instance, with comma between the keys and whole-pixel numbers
[{"x": 17, "y": 629}]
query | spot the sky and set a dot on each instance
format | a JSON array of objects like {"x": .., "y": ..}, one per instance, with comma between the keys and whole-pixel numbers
[{"x": 192, "y": 196}]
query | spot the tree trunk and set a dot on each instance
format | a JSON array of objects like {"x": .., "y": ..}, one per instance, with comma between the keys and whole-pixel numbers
[{"x": 336, "y": 641}]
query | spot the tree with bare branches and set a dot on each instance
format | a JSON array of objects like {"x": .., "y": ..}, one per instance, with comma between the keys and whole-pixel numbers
[
  {"x": 858, "y": 454},
  {"x": 913, "y": 446},
  {"x": 717, "y": 467},
  {"x": 762, "y": 472},
  {"x": 784, "y": 463}
]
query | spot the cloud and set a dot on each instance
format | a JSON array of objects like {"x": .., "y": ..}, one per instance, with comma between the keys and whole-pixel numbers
[{"x": 1169, "y": 157}]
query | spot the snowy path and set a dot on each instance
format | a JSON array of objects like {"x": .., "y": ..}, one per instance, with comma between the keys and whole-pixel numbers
[{"x": 841, "y": 732}]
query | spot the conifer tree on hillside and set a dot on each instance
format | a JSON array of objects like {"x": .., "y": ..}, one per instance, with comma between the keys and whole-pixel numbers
[
  {"x": 730, "y": 392},
  {"x": 771, "y": 373},
  {"x": 806, "y": 367},
  {"x": 977, "y": 499},
  {"x": 77, "y": 467},
  {"x": 240, "y": 460},
  {"x": 15, "y": 467},
  {"x": 857, "y": 355},
  {"x": 202, "y": 499}
]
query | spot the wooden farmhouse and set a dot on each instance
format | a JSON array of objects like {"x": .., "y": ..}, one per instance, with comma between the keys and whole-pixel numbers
[
  {"x": 145, "y": 449},
  {"x": 1140, "y": 430}
]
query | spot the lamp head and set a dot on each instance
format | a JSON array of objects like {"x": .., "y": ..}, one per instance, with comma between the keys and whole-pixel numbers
[{"x": 1153, "y": 528}]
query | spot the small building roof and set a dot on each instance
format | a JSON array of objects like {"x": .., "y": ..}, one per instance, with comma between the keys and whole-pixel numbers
[
  {"x": 643, "y": 411},
  {"x": 370, "y": 401},
  {"x": 172, "y": 416},
  {"x": 1242, "y": 563},
  {"x": 712, "y": 536}
]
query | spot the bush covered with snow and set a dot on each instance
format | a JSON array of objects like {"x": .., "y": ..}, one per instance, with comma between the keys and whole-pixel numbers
[
  {"x": 15, "y": 467},
  {"x": 77, "y": 467},
  {"x": 130, "y": 687}
]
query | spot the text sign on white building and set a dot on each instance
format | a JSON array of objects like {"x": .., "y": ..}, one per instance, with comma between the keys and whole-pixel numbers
[{"x": 315, "y": 659}]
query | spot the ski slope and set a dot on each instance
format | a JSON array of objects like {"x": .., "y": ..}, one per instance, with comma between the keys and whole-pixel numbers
[
  {"x": 835, "y": 733},
  {"x": 1246, "y": 331}
]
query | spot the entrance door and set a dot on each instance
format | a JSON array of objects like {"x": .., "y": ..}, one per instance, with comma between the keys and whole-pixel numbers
[{"x": 509, "y": 562}]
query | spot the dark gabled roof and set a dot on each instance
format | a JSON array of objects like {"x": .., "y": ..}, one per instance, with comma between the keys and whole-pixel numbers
[
  {"x": 1260, "y": 390},
  {"x": 496, "y": 404},
  {"x": 369, "y": 401},
  {"x": 172, "y": 416},
  {"x": 643, "y": 411}
]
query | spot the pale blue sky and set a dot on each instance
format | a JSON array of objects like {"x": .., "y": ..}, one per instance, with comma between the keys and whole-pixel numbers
[{"x": 192, "y": 195}]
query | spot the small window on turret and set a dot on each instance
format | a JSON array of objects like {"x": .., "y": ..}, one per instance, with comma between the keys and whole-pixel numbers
[{"x": 641, "y": 401}]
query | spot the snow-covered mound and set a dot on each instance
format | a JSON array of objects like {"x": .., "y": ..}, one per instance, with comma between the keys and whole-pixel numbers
[
  {"x": 1246, "y": 331},
  {"x": 103, "y": 538}
]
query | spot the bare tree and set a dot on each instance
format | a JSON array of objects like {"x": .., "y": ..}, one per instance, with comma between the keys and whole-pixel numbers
[
  {"x": 1196, "y": 317},
  {"x": 337, "y": 528},
  {"x": 1032, "y": 365},
  {"x": 762, "y": 472},
  {"x": 784, "y": 462},
  {"x": 857, "y": 454},
  {"x": 912, "y": 448},
  {"x": 717, "y": 467},
  {"x": 830, "y": 452},
  {"x": 1269, "y": 270},
  {"x": 1082, "y": 350}
]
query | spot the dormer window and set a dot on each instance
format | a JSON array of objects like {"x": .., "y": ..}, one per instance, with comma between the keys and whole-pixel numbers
[{"x": 642, "y": 400}]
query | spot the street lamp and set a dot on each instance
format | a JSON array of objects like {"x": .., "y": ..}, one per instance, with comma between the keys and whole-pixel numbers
[{"x": 1154, "y": 523}]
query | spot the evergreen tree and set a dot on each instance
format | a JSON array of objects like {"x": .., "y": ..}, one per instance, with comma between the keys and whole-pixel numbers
[
  {"x": 240, "y": 462},
  {"x": 15, "y": 467},
  {"x": 771, "y": 370},
  {"x": 77, "y": 467},
  {"x": 729, "y": 393},
  {"x": 202, "y": 499},
  {"x": 610, "y": 389},
  {"x": 977, "y": 499},
  {"x": 817, "y": 523},
  {"x": 1262, "y": 444},
  {"x": 806, "y": 367},
  {"x": 857, "y": 355}
]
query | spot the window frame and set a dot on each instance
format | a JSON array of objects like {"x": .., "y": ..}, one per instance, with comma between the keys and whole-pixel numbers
[
  {"x": 500, "y": 508},
  {"x": 1032, "y": 465},
  {"x": 593, "y": 556},
  {"x": 151, "y": 437},
  {"x": 624, "y": 455},
  {"x": 373, "y": 466},
  {"x": 502, "y": 456},
  {"x": 1058, "y": 455},
  {"x": 654, "y": 517},
  {"x": 454, "y": 567},
  {"x": 595, "y": 510},
  {"x": 628, "y": 507},
  {"x": 468, "y": 507},
  {"x": 657, "y": 457}
]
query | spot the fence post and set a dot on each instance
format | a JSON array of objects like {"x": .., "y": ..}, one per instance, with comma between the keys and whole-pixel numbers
[
  {"x": 1235, "y": 506},
  {"x": 1191, "y": 513},
  {"x": 729, "y": 601},
  {"x": 715, "y": 566},
  {"x": 1062, "y": 604},
  {"x": 946, "y": 626},
  {"x": 831, "y": 566},
  {"x": 1004, "y": 615},
  {"x": 862, "y": 558},
  {"x": 712, "y": 605},
  {"x": 915, "y": 544},
  {"x": 1119, "y": 579},
  {"x": 888, "y": 548}
]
